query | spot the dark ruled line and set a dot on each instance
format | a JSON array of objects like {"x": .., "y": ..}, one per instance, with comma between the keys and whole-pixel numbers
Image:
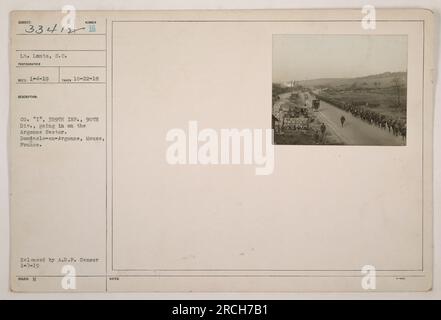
[
  {"x": 224, "y": 276},
  {"x": 29, "y": 66},
  {"x": 60, "y": 83},
  {"x": 59, "y": 50},
  {"x": 60, "y": 34}
]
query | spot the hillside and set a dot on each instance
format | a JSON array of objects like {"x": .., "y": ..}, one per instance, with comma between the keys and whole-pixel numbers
[{"x": 377, "y": 81}]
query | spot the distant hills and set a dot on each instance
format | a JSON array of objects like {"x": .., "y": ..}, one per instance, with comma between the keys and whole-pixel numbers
[{"x": 382, "y": 80}]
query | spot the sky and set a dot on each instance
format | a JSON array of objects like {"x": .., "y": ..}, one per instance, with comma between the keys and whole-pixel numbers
[{"x": 306, "y": 57}]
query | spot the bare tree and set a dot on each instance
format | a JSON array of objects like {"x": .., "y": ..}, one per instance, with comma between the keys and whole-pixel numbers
[{"x": 397, "y": 86}]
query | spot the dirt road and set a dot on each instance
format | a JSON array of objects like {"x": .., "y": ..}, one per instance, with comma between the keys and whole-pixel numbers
[{"x": 354, "y": 131}]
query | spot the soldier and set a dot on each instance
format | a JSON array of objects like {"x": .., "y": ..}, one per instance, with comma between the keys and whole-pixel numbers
[
  {"x": 342, "y": 120},
  {"x": 316, "y": 136},
  {"x": 323, "y": 130},
  {"x": 403, "y": 132}
]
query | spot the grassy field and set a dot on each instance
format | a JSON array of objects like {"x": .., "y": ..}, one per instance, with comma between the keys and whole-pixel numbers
[
  {"x": 279, "y": 89},
  {"x": 382, "y": 101},
  {"x": 296, "y": 138},
  {"x": 384, "y": 93}
]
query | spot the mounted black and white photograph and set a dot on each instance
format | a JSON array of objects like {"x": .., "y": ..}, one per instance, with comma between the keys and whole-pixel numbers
[{"x": 339, "y": 90}]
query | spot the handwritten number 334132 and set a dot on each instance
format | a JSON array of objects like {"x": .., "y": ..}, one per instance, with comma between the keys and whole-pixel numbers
[{"x": 39, "y": 29}]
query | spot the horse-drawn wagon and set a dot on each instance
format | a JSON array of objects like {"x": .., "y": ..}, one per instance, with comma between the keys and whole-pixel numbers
[{"x": 315, "y": 104}]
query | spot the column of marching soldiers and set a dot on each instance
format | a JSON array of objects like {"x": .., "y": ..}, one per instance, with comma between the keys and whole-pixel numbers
[{"x": 395, "y": 126}]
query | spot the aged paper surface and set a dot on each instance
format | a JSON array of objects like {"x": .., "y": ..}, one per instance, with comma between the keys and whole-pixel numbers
[{"x": 125, "y": 175}]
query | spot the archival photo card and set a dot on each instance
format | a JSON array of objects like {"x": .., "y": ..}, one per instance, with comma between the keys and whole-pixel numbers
[{"x": 203, "y": 151}]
